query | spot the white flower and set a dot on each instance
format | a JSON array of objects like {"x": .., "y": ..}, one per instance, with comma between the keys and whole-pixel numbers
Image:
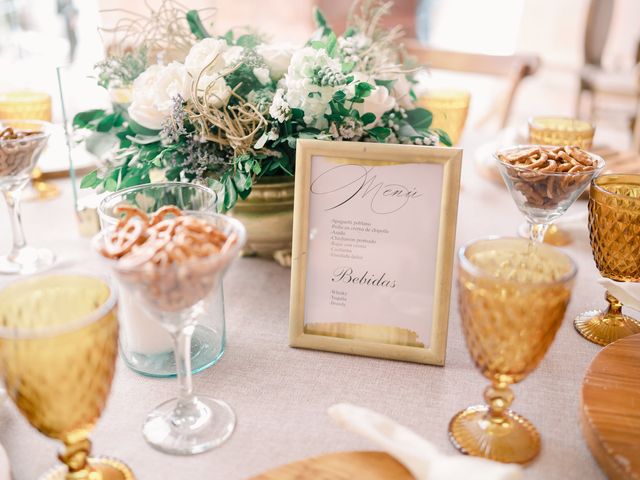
[
  {"x": 400, "y": 89},
  {"x": 279, "y": 109},
  {"x": 232, "y": 56},
  {"x": 262, "y": 74},
  {"x": 277, "y": 57},
  {"x": 301, "y": 91},
  {"x": 216, "y": 89},
  {"x": 157, "y": 175},
  {"x": 378, "y": 102},
  {"x": 154, "y": 91},
  {"x": 203, "y": 53}
]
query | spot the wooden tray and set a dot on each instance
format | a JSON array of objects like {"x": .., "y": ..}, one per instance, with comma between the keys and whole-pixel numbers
[
  {"x": 611, "y": 408},
  {"x": 341, "y": 466}
]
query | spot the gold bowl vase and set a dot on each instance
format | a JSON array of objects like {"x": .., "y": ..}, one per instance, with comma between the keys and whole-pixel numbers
[
  {"x": 267, "y": 215},
  {"x": 512, "y": 299},
  {"x": 614, "y": 228}
]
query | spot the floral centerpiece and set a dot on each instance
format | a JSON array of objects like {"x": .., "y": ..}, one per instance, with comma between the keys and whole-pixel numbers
[{"x": 226, "y": 111}]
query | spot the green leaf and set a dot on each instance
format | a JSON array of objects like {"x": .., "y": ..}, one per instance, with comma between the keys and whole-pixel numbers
[
  {"x": 339, "y": 96},
  {"x": 230, "y": 194},
  {"x": 321, "y": 21},
  {"x": 297, "y": 113},
  {"x": 140, "y": 130},
  {"x": 248, "y": 41},
  {"x": 317, "y": 44},
  {"x": 444, "y": 137},
  {"x": 90, "y": 180},
  {"x": 196, "y": 26},
  {"x": 379, "y": 133},
  {"x": 82, "y": 119},
  {"x": 107, "y": 123},
  {"x": 332, "y": 43},
  {"x": 363, "y": 89},
  {"x": 419, "y": 118},
  {"x": 368, "y": 118},
  {"x": 385, "y": 83},
  {"x": 347, "y": 67},
  {"x": 110, "y": 185},
  {"x": 314, "y": 95},
  {"x": 228, "y": 37},
  {"x": 144, "y": 139}
]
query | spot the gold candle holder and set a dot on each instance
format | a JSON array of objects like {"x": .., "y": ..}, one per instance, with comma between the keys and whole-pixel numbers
[
  {"x": 449, "y": 109},
  {"x": 614, "y": 228},
  {"x": 561, "y": 131},
  {"x": 512, "y": 300}
]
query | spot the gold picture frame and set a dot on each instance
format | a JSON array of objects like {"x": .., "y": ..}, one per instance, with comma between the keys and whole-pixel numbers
[{"x": 352, "y": 342}]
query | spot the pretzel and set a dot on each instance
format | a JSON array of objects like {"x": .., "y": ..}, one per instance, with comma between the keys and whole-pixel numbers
[
  {"x": 159, "y": 215},
  {"x": 539, "y": 173},
  {"x": 17, "y": 150}
]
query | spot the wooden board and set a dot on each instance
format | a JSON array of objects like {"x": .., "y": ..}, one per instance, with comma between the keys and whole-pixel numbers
[
  {"x": 611, "y": 408},
  {"x": 341, "y": 466}
]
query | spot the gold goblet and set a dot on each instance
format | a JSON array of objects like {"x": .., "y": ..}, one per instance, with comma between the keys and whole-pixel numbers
[
  {"x": 614, "y": 229},
  {"x": 449, "y": 109},
  {"x": 512, "y": 300},
  {"x": 58, "y": 344}
]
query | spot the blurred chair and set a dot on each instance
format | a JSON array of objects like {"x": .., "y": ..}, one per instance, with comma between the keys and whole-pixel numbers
[
  {"x": 403, "y": 12},
  {"x": 595, "y": 81},
  {"x": 514, "y": 68}
]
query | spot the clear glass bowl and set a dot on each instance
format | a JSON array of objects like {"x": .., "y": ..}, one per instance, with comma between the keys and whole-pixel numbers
[
  {"x": 542, "y": 197},
  {"x": 145, "y": 346}
]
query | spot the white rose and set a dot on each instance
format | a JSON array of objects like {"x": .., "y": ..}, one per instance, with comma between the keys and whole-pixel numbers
[
  {"x": 203, "y": 53},
  {"x": 216, "y": 89},
  {"x": 378, "y": 102},
  {"x": 154, "y": 91},
  {"x": 400, "y": 89},
  {"x": 277, "y": 57},
  {"x": 262, "y": 74},
  {"x": 232, "y": 56}
]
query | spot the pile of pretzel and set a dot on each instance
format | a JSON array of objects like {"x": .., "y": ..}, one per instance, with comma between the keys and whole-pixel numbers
[
  {"x": 166, "y": 237},
  {"x": 548, "y": 175},
  {"x": 16, "y": 157}
]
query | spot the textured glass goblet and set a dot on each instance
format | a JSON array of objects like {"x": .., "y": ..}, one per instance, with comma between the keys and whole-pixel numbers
[
  {"x": 542, "y": 197},
  {"x": 512, "y": 300},
  {"x": 614, "y": 227},
  {"x": 176, "y": 295},
  {"x": 145, "y": 346},
  {"x": 561, "y": 131},
  {"x": 58, "y": 345},
  {"x": 17, "y": 159},
  {"x": 449, "y": 109}
]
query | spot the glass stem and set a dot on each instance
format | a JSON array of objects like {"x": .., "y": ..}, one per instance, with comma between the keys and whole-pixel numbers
[
  {"x": 613, "y": 315},
  {"x": 538, "y": 231},
  {"x": 12, "y": 198},
  {"x": 75, "y": 456},
  {"x": 499, "y": 398},
  {"x": 182, "y": 352}
]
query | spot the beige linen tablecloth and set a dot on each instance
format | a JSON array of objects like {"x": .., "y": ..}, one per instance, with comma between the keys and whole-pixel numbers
[{"x": 281, "y": 394}]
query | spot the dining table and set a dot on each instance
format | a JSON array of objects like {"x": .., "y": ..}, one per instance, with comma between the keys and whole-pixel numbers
[{"x": 281, "y": 394}]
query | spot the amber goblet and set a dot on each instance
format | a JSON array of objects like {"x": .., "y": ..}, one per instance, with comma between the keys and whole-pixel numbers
[
  {"x": 614, "y": 230},
  {"x": 58, "y": 345},
  {"x": 512, "y": 300}
]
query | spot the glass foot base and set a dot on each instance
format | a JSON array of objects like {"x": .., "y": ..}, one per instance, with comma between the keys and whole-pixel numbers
[
  {"x": 206, "y": 349},
  {"x": 515, "y": 441},
  {"x": 203, "y": 425},
  {"x": 27, "y": 260},
  {"x": 591, "y": 325},
  {"x": 109, "y": 468}
]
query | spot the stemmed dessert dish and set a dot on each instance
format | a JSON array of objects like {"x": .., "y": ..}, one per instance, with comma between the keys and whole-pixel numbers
[
  {"x": 545, "y": 181},
  {"x": 172, "y": 263},
  {"x": 512, "y": 300},
  {"x": 145, "y": 345},
  {"x": 58, "y": 347},
  {"x": 21, "y": 143},
  {"x": 614, "y": 228}
]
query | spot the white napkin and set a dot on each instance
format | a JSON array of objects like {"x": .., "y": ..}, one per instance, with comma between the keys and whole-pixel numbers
[
  {"x": 627, "y": 292},
  {"x": 4, "y": 465},
  {"x": 418, "y": 455}
]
